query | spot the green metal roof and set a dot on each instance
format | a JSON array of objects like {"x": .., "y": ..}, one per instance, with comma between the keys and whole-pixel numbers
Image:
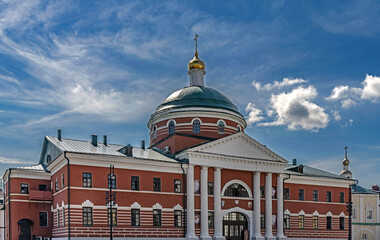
[{"x": 196, "y": 96}]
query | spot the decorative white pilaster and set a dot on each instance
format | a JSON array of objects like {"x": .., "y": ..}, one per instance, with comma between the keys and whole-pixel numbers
[
  {"x": 268, "y": 207},
  {"x": 280, "y": 207},
  {"x": 256, "y": 234},
  {"x": 204, "y": 203},
  {"x": 218, "y": 218},
  {"x": 190, "y": 232}
]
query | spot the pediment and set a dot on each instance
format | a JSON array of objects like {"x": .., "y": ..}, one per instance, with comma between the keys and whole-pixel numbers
[{"x": 238, "y": 145}]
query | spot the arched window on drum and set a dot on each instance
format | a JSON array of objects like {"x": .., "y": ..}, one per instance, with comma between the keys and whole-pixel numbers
[
  {"x": 154, "y": 132},
  {"x": 236, "y": 190},
  {"x": 196, "y": 126},
  {"x": 171, "y": 127},
  {"x": 221, "y": 126}
]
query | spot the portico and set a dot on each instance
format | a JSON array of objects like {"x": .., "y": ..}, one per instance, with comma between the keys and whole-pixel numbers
[{"x": 249, "y": 157}]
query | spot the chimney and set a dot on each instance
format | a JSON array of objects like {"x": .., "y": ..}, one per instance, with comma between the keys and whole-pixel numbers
[
  {"x": 375, "y": 187},
  {"x": 294, "y": 161},
  {"x": 94, "y": 140},
  {"x": 59, "y": 133},
  {"x": 142, "y": 144},
  {"x": 105, "y": 140}
]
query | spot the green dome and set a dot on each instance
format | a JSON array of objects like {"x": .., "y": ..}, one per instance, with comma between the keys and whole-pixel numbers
[{"x": 196, "y": 96}]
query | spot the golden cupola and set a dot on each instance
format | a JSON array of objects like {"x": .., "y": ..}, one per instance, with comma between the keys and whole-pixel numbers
[{"x": 196, "y": 63}]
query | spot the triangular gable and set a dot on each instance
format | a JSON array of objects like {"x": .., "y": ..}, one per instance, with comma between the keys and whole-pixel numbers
[
  {"x": 49, "y": 152},
  {"x": 238, "y": 145}
]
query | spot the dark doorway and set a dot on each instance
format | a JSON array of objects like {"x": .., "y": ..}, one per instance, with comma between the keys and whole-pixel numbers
[
  {"x": 25, "y": 229},
  {"x": 234, "y": 225}
]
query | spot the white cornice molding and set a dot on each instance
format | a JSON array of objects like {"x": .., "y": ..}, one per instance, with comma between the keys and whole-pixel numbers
[
  {"x": 318, "y": 181},
  {"x": 30, "y": 174},
  {"x": 234, "y": 163}
]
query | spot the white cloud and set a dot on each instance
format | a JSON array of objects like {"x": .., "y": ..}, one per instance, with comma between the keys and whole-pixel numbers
[
  {"x": 371, "y": 88},
  {"x": 336, "y": 115},
  {"x": 348, "y": 103},
  {"x": 350, "y": 96},
  {"x": 295, "y": 110},
  {"x": 13, "y": 161},
  {"x": 276, "y": 85},
  {"x": 254, "y": 114}
]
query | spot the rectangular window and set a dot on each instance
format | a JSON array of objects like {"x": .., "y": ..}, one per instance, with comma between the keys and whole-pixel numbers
[
  {"x": 177, "y": 186},
  {"x": 112, "y": 181},
  {"x": 112, "y": 217},
  {"x": 63, "y": 217},
  {"x": 157, "y": 218},
  {"x": 341, "y": 197},
  {"x": 262, "y": 221},
  {"x": 328, "y": 196},
  {"x": 58, "y": 218},
  {"x": 286, "y": 221},
  {"x": 87, "y": 216},
  {"x": 135, "y": 221},
  {"x": 210, "y": 220},
  {"x": 210, "y": 188},
  {"x": 42, "y": 187},
  {"x": 43, "y": 219},
  {"x": 274, "y": 192},
  {"x": 135, "y": 183},
  {"x": 178, "y": 218},
  {"x": 341, "y": 223},
  {"x": 87, "y": 179},
  {"x": 157, "y": 184},
  {"x": 369, "y": 214},
  {"x": 56, "y": 184},
  {"x": 315, "y": 195},
  {"x": 315, "y": 222},
  {"x": 328, "y": 222},
  {"x": 301, "y": 195},
  {"x": 62, "y": 180},
  {"x": 301, "y": 221},
  {"x": 24, "y": 188},
  {"x": 286, "y": 194},
  {"x": 262, "y": 192}
]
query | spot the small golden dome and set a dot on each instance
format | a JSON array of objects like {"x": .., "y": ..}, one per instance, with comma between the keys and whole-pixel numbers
[
  {"x": 196, "y": 63},
  {"x": 346, "y": 162}
]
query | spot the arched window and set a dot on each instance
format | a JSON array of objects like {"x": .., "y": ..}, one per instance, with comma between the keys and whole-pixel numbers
[
  {"x": 154, "y": 132},
  {"x": 196, "y": 126},
  {"x": 236, "y": 190},
  {"x": 221, "y": 127},
  {"x": 171, "y": 127},
  {"x": 239, "y": 128}
]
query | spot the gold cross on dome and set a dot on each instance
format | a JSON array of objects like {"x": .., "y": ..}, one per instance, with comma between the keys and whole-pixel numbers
[{"x": 196, "y": 42}]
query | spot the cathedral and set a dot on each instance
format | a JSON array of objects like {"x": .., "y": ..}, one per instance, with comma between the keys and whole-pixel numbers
[{"x": 202, "y": 177}]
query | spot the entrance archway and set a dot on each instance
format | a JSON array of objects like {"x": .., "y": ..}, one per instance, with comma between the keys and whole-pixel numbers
[
  {"x": 234, "y": 224},
  {"x": 25, "y": 229}
]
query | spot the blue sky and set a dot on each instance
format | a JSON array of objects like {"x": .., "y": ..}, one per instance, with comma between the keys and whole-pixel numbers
[{"x": 305, "y": 74}]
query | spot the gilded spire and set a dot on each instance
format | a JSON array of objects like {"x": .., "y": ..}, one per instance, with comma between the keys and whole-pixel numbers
[
  {"x": 345, "y": 172},
  {"x": 196, "y": 63}
]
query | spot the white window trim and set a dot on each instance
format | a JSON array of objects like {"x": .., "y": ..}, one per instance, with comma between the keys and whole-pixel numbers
[
  {"x": 157, "y": 206},
  {"x": 239, "y": 182},
  {"x": 135, "y": 205}
]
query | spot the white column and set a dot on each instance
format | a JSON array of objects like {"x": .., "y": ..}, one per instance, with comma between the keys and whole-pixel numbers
[
  {"x": 268, "y": 207},
  {"x": 280, "y": 207},
  {"x": 190, "y": 232},
  {"x": 218, "y": 218},
  {"x": 204, "y": 203},
  {"x": 256, "y": 234}
]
